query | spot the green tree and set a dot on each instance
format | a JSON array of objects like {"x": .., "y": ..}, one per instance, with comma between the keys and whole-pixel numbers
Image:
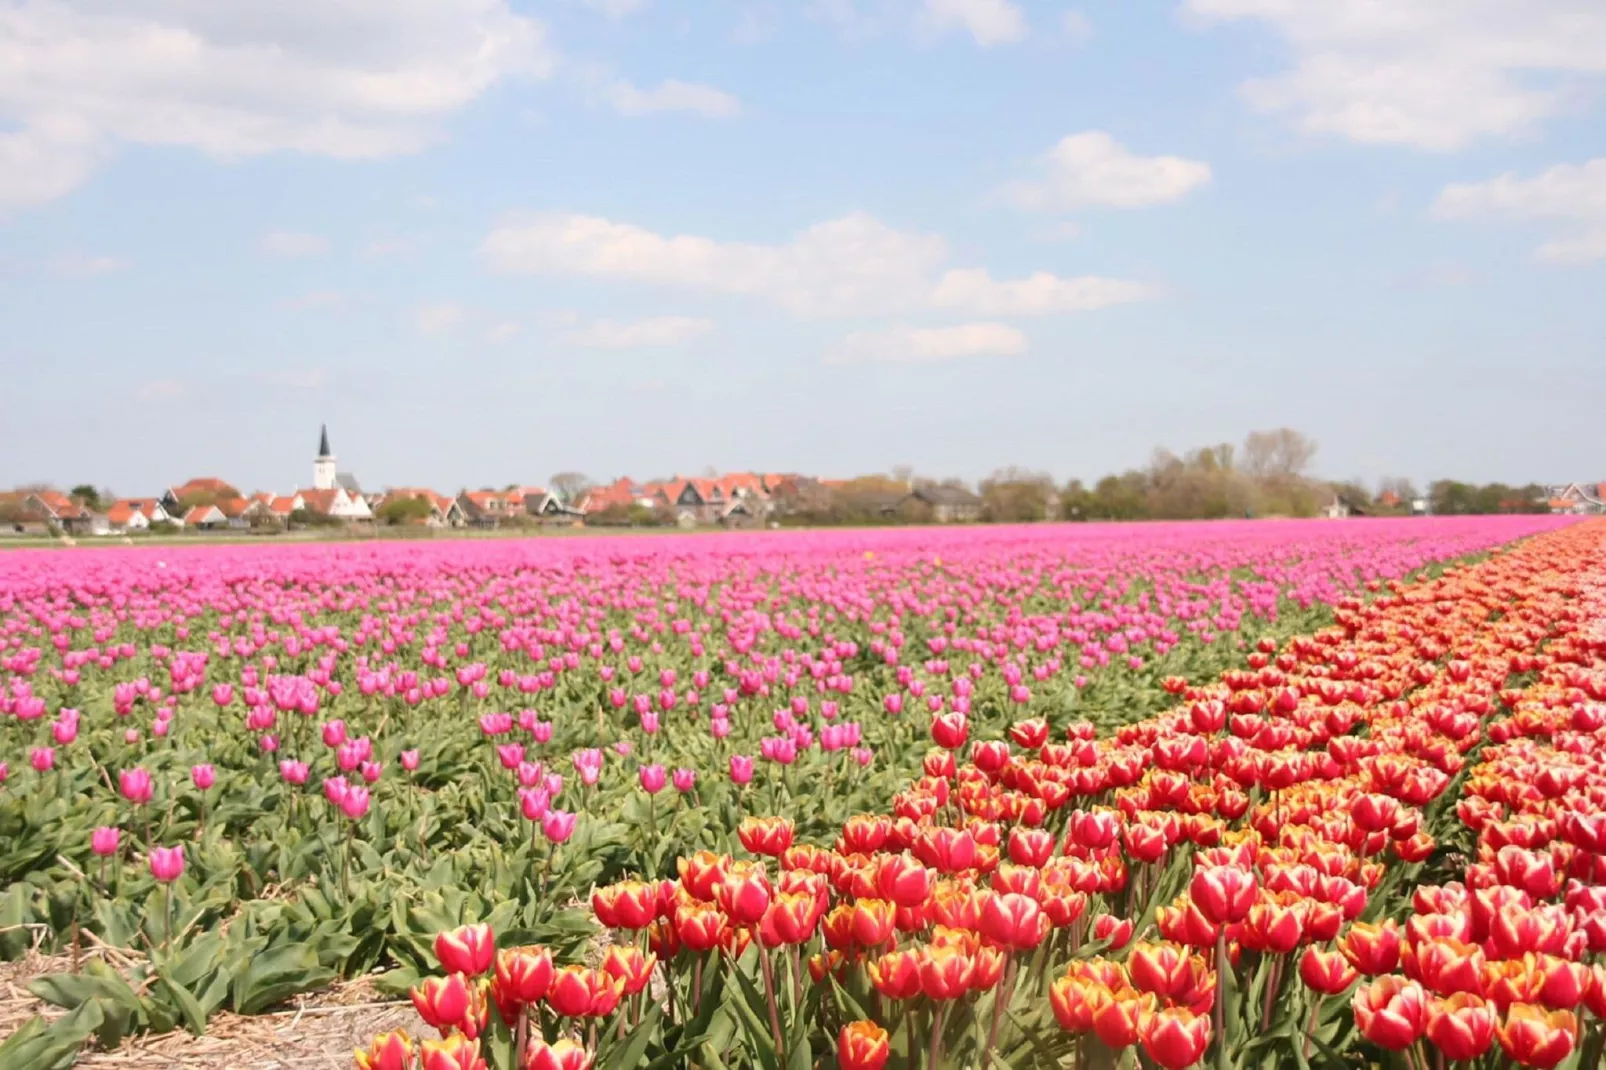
[{"x": 399, "y": 511}]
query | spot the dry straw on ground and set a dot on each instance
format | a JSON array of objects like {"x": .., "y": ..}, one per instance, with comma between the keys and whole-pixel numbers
[{"x": 318, "y": 1031}]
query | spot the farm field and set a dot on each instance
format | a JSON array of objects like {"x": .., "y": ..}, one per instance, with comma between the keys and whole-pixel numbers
[{"x": 1247, "y": 794}]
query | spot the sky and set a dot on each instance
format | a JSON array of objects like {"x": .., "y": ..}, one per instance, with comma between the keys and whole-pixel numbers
[{"x": 490, "y": 240}]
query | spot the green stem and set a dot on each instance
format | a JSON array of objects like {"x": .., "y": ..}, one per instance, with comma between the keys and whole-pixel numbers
[{"x": 934, "y": 1055}]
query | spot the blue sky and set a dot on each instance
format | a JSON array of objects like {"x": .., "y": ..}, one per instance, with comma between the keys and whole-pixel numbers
[{"x": 487, "y": 240}]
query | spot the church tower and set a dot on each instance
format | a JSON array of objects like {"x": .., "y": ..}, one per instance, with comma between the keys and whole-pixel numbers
[{"x": 323, "y": 468}]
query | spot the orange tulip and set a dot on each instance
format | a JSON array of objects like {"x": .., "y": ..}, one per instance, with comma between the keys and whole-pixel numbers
[
  {"x": 1462, "y": 1026},
  {"x": 1536, "y": 1037},
  {"x": 862, "y": 1046},
  {"x": 765, "y": 835},
  {"x": 564, "y": 1054},
  {"x": 466, "y": 950},
  {"x": 629, "y": 966},
  {"x": 1175, "y": 1037},
  {"x": 456, "y": 1052},
  {"x": 387, "y": 1051}
]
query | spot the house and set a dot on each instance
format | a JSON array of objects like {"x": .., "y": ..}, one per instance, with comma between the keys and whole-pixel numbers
[
  {"x": 325, "y": 474},
  {"x": 444, "y": 512},
  {"x": 1388, "y": 500},
  {"x": 64, "y": 514},
  {"x": 1343, "y": 506},
  {"x": 136, "y": 514},
  {"x": 207, "y": 488},
  {"x": 242, "y": 513},
  {"x": 19, "y": 517},
  {"x": 622, "y": 493},
  {"x": 488, "y": 508},
  {"x": 949, "y": 505},
  {"x": 1579, "y": 499},
  {"x": 205, "y": 518},
  {"x": 336, "y": 504},
  {"x": 545, "y": 506}
]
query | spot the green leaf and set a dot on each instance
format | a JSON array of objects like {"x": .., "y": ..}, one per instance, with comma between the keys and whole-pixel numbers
[
  {"x": 189, "y": 1008},
  {"x": 37, "y": 1046},
  {"x": 628, "y": 1055}
]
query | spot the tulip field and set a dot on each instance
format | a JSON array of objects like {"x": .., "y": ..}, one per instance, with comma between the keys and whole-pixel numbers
[{"x": 1247, "y": 795}]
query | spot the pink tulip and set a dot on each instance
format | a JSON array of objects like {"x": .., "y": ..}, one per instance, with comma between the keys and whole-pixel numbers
[
  {"x": 684, "y": 780},
  {"x": 64, "y": 732},
  {"x": 203, "y": 776},
  {"x": 293, "y": 772},
  {"x": 5, "y": 771},
  {"x": 741, "y": 769},
  {"x": 652, "y": 779},
  {"x": 558, "y": 826},
  {"x": 104, "y": 840},
  {"x": 354, "y": 803},
  {"x": 541, "y": 731},
  {"x": 167, "y": 863},
  {"x": 371, "y": 771},
  {"x": 269, "y": 743},
  {"x": 409, "y": 760},
  {"x": 533, "y": 803},
  {"x": 222, "y": 695},
  {"x": 334, "y": 733},
  {"x": 335, "y": 789},
  {"x": 135, "y": 784},
  {"x": 649, "y": 723}
]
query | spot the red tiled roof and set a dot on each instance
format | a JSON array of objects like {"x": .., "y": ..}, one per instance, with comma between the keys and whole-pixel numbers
[
  {"x": 317, "y": 501},
  {"x": 60, "y": 506}
]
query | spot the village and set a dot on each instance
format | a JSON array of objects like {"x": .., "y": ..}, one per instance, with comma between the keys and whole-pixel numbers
[{"x": 335, "y": 500}]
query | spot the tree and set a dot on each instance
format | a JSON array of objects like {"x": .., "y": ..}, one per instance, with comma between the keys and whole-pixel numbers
[
  {"x": 88, "y": 496},
  {"x": 404, "y": 511},
  {"x": 1015, "y": 495},
  {"x": 570, "y": 485},
  {"x": 1282, "y": 453}
]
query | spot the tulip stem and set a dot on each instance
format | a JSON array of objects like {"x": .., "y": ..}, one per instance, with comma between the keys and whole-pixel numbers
[
  {"x": 768, "y": 970},
  {"x": 1310, "y": 1030},
  {"x": 167, "y": 916},
  {"x": 934, "y": 1056},
  {"x": 520, "y": 1038},
  {"x": 1000, "y": 1001},
  {"x": 1221, "y": 998}
]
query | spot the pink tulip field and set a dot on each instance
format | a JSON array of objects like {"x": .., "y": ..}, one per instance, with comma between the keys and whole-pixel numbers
[{"x": 260, "y": 769}]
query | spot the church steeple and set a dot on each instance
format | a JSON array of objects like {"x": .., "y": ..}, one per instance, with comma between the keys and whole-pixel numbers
[{"x": 323, "y": 466}]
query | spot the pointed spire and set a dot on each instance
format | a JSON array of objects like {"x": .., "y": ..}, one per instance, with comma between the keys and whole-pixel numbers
[{"x": 323, "y": 440}]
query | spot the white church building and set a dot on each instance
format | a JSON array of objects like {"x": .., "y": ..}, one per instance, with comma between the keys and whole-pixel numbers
[{"x": 334, "y": 493}]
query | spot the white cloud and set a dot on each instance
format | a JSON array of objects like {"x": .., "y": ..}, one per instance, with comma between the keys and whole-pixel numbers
[
  {"x": 847, "y": 265},
  {"x": 292, "y": 244},
  {"x": 1092, "y": 168},
  {"x": 989, "y": 22},
  {"x": 1429, "y": 73},
  {"x": 319, "y": 299},
  {"x": 616, "y": 9},
  {"x": 855, "y": 265},
  {"x": 503, "y": 332},
  {"x": 383, "y": 248},
  {"x": 1571, "y": 194},
  {"x": 655, "y": 331},
  {"x": 341, "y": 78},
  {"x": 674, "y": 95},
  {"x": 161, "y": 390},
  {"x": 82, "y": 266},
  {"x": 975, "y": 292},
  {"x": 926, "y": 344},
  {"x": 433, "y": 319}
]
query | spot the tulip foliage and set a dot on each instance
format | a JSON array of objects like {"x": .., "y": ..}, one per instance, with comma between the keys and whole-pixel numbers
[{"x": 1053, "y": 796}]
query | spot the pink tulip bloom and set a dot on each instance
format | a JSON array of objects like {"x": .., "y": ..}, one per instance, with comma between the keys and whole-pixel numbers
[
  {"x": 652, "y": 778},
  {"x": 269, "y": 743},
  {"x": 371, "y": 771},
  {"x": 203, "y": 776},
  {"x": 623, "y": 748},
  {"x": 104, "y": 840},
  {"x": 541, "y": 731},
  {"x": 334, "y": 733},
  {"x": 684, "y": 780},
  {"x": 893, "y": 703},
  {"x": 741, "y": 769},
  {"x": 293, "y": 772},
  {"x": 863, "y": 755},
  {"x": 530, "y": 774},
  {"x": 533, "y": 803},
  {"x": 719, "y": 727},
  {"x": 335, "y": 789},
  {"x": 135, "y": 785},
  {"x": 5, "y": 771},
  {"x": 409, "y": 760},
  {"x": 64, "y": 732},
  {"x": 558, "y": 826},
  {"x": 355, "y": 802},
  {"x": 167, "y": 863},
  {"x": 649, "y": 723},
  {"x": 222, "y": 695}
]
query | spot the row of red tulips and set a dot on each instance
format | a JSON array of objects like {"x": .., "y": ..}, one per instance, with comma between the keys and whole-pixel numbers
[{"x": 1414, "y": 796}]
